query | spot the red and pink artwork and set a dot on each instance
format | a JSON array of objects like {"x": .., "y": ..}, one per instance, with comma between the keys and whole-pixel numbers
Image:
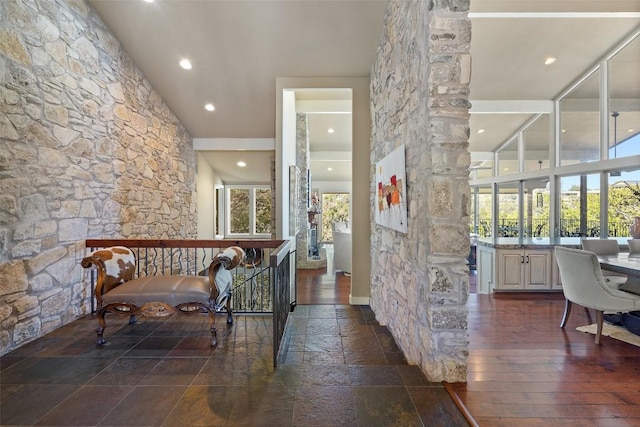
[{"x": 391, "y": 191}]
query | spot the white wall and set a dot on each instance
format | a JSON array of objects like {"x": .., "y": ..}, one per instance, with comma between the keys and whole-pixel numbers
[
  {"x": 205, "y": 184},
  {"x": 331, "y": 186},
  {"x": 285, "y": 157}
]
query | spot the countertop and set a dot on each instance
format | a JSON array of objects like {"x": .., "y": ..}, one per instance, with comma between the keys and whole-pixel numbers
[{"x": 539, "y": 242}]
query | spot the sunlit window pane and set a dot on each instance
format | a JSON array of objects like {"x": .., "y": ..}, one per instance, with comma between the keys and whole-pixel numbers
[
  {"x": 580, "y": 206},
  {"x": 624, "y": 92},
  {"x": 580, "y": 123},
  {"x": 536, "y": 208},
  {"x": 508, "y": 200},
  {"x": 624, "y": 202},
  {"x": 263, "y": 211},
  {"x": 239, "y": 210}
]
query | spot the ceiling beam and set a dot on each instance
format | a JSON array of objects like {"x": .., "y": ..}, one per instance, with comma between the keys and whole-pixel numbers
[
  {"x": 511, "y": 107},
  {"x": 553, "y": 15},
  {"x": 331, "y": 156},
  {"x": 234, "y": 144},
  {"x": 324, "y": 106}
]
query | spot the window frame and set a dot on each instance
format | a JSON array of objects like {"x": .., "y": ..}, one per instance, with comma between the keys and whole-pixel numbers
[{"x": 252, "y": 211}]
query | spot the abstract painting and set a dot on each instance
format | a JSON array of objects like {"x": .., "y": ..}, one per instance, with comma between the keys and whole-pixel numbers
[{"x": 391, "y": 191}]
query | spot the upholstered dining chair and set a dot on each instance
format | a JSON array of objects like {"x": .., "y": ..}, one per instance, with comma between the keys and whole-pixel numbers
[
  {"x": 584, "y": 284},
  {"x": 634, "y": 246},
  {"x": 601, "y": 247},
  {"x": 605, "y": 247}
]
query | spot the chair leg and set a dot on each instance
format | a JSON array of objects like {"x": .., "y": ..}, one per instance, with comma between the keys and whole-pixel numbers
[
  {"x": 567, "y": 311},
  {"x": 599, "y": 319}
]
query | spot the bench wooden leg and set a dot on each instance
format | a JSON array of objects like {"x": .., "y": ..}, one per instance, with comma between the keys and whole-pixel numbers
[
  {"x": 229, "y": 314},
  {"x": 214, "y": 331},
  {"x": 102, "y": 326}
]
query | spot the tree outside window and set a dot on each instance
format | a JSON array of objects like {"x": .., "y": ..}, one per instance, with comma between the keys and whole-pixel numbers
[
  {"x": 249, "y": 210},
  {"x": 263, "y": 211},
  {"x": 335, "y": 208}
]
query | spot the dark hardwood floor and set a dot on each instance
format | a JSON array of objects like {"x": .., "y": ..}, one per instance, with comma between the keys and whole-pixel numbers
[
  {"x": 324, "y": 285},
  {"x": 523, "y": 369}
]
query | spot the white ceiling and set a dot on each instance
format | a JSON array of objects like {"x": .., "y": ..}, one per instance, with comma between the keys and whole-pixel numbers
[{"x": 239, "y": 48}]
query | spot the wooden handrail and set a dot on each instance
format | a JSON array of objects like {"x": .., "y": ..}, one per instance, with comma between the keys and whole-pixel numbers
[{"x": 182, "y": 243}]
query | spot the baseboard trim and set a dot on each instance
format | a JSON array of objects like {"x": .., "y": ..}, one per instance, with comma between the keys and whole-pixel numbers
[{"x": 359, "y": 300}]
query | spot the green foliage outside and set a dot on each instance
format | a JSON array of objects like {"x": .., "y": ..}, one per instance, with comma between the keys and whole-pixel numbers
[
  {"x": 240, "y": 212},
  {"x": 335, "y": 208},
  {"x": 263, "y": 210},
  {"x": 624, "y": 205}
]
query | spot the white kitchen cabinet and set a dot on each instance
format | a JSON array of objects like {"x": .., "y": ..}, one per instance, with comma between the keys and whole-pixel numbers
[
  {"x": 485, "y": 266},
  {"x": 523, "y": 269}
]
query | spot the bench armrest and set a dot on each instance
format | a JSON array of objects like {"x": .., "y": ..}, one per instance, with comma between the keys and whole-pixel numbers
[
  {"x": 228, "y": 259},
  {"x": 115, "y": 266}
]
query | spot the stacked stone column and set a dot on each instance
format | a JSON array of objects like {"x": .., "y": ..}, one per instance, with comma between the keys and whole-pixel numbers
[{"x": 420, "y": 100}]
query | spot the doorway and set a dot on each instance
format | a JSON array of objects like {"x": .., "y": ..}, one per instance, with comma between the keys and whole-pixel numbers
[{"x": 335, "y": 208}]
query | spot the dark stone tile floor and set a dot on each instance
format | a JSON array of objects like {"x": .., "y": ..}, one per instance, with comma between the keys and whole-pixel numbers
[{"x": 339, "y": 368}]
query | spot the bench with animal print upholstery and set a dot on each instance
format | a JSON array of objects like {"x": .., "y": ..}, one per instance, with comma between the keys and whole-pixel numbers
[{"x": 118, "y": 292}]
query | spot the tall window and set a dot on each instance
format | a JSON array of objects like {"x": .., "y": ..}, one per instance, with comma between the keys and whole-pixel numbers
[
  {"x": 508, "y": 159},
  {"x": 580, "y": 123},
  {"x": 624, "y": 201},
  {"x": 536, "y": 208},
  {"x": 508, "y": 203},
  {"x": 335, "y": 208},
  {"x": 537, "y": 139},
  {"x": 482, "y": 211},
  {"x": 580, "y": 206},
  {"x": 248, "y": 211},
  {"x": 624, "y": 92}
]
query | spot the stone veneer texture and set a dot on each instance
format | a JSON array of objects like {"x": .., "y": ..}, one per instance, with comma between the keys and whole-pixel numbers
[
  {"x": 420, "y": 99},
  {"x": 87, "y": 149},
  {"x": 302, "y": 161}
]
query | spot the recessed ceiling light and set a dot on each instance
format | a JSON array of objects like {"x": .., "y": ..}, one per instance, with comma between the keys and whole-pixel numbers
[
  {"x": 149, "y": 1},
  {"x": 549, "y": 60},
  {"x": 481, "y": 130},
  {"x": 185, "y": 63},
  {"x": 209, "y": 107},
  {"x": 564, "y": 131},
  {"x": 329, "y": 169},
  {"x": 241, "y": 164},
  {"x": 506, "y": 169},
  {"x": 331, "y": 130},
  {"x": 630, "y": 130}
]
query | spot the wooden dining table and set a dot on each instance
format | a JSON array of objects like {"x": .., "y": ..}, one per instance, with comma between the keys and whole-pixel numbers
[{"x": 624, "y": 263}]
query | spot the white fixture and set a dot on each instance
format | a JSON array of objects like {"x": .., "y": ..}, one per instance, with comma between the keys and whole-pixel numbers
[
  {"x": 185, "y": 63},
  {"x": 241, "y": 164},
  {"x": 209, "y": 107}
]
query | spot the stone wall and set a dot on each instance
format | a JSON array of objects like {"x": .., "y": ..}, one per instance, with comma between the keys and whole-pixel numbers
[
  {"x": 87, "y": 149},
  {"x": 420, "y": 99},
  {"x": 302, "y": 161}
]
